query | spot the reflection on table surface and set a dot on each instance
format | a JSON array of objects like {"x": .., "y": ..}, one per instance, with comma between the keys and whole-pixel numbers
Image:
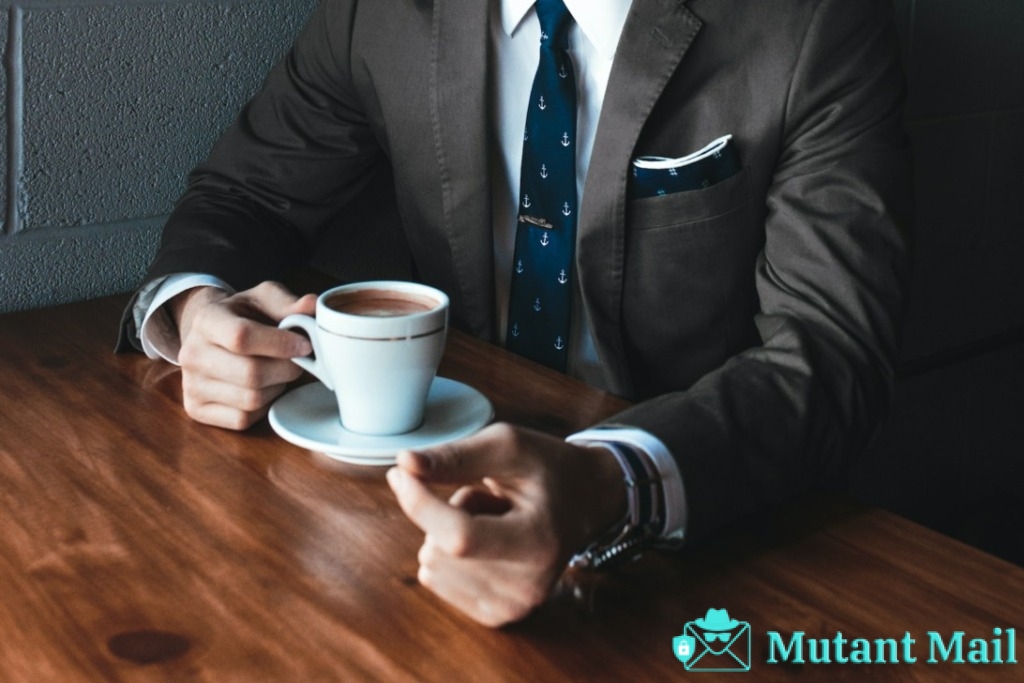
[{"x": 138, "y": 545}]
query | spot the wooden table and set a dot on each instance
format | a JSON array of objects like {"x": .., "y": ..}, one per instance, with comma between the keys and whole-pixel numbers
[{"x": 136, "y": 545}]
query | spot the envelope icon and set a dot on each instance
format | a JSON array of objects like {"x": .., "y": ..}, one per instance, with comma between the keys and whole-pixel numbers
[{"x": 719, "y": 651}]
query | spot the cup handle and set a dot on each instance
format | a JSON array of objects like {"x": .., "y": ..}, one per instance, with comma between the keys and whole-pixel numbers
[{"x": 313, "y": 364}]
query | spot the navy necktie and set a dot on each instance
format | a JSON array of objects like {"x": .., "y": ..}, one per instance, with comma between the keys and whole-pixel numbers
[{"x": 541, "y": 289}]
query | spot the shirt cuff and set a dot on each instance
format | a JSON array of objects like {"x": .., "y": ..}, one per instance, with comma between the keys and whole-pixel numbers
[
  {"x": 672, "y": 489},
  {"x": 157, "y": 331}
]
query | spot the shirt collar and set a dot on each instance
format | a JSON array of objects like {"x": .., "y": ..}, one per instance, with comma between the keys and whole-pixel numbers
[{"x": 601, "y": 22}]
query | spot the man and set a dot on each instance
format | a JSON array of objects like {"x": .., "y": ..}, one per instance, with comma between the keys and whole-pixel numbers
[{"x": 754, "y": 321}]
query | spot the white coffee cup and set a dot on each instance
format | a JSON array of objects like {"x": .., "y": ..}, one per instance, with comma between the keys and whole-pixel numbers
[{"x": 377, "y": 346}]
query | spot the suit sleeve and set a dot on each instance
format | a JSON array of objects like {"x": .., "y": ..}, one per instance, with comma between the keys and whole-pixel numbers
[
  {"x": 296, "y": 155},
  {"x": 797, "y": 409}
]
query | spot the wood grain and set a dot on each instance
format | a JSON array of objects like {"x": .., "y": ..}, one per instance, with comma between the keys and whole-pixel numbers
[{"x": 136, "y": 545}]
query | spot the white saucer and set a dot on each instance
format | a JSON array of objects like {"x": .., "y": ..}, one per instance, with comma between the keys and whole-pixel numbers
[{"x": 308, "y": 417}]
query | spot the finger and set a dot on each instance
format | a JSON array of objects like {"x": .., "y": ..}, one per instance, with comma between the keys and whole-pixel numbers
[
  {"x": 224, "y": 327},
  {"x": 273, "y": 300},
  {"x": 305, "y": 304},
  {"x": 454, "y": 530},
  {"x": 509, "y": 553},
  {"x": 216, "y": 363},
  {"x": 461, "y": 593},
  {"x": 432, "y": 515},
  {"x": 477, "y": 500},
  {"x": 220, "y": 415},
  {"x": 497, "y": 451},
  {"x": 491, "y": 593},
  {"x": 203, "y": 390}
]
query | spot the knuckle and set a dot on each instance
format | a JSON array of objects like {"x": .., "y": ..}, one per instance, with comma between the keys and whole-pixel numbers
[
  {"x": 488, "y": 617},
  {"x": 424, "y": 576},
  {"x": 188, "y": 355},
  {"x": 458, "y": 546},
  {"x": 267, "y": 287},
  {"x": 237, "y": 334},
  {"x": 510, "y": 438},
  {"x": 238, "y": 420},
  {"x": 192, "y": 407},
  {"x": 247, "y": 421},
  {"x": 250, "y": 374},
  {"x": 447, "y": 458},
  {"x": 251, "y": 400},
  {"x": 460, "y": 543},
  {"x": 425, "y": 556},
  {"x": 495, "y": 614},
  {"x": 290, "y": 371},
  {"x": 505, "y": 432}
]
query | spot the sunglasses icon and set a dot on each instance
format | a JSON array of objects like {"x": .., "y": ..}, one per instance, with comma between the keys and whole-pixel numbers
[{"x": 715, "y": 642}]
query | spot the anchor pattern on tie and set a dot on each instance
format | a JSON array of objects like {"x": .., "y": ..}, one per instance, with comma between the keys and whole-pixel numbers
[{"x": 539, "y": 301}]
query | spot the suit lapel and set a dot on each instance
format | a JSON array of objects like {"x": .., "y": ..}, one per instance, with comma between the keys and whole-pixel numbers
[
  {"x": 654, "y": 39},
  {"x": 458, "y": 99}
]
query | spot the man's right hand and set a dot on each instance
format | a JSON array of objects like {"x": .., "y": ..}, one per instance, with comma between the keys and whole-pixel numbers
[{"x": 234, "y": 359}]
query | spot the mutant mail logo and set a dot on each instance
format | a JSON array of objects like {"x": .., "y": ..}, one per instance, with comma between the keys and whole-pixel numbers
[{"x": 716, "y": 642}]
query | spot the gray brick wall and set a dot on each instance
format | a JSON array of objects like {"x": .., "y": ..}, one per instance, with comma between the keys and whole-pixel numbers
[
  {"x": 4, "y": 139},
  {"x": 106, "y": 108}
]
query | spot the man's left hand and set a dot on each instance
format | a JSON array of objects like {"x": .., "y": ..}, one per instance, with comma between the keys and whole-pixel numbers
[{"x": 526, "y": 503}]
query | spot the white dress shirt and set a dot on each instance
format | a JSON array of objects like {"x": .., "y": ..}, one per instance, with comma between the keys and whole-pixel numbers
[{"x": 515, "y": 40}]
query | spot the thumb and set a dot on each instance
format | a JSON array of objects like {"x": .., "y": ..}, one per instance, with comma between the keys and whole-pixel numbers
[
  {"x": 305, "y": 304},
  {"x": 274, "y": 300},
  {"x": 497, "y": 452}
]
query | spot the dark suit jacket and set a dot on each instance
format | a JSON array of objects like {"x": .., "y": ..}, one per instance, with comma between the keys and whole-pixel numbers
[{"x": 755, "y": 321}]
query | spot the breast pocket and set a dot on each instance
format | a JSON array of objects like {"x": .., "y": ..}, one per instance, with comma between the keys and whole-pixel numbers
[
  {"x": 688, "y": 290},
  {"x": 694, "y": 206}
]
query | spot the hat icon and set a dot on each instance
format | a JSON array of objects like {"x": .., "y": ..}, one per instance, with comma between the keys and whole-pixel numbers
[
  {"x": 716, "y": 642},
  {"x": 717, "y": 620}
]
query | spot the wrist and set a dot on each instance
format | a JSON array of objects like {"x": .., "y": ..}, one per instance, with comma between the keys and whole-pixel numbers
[
  {"x": 182, "y": 307},
  {"x": 638, "y": 526},
  {"x": 602, "y": 501},
  {"x": 610, "y": 493}
]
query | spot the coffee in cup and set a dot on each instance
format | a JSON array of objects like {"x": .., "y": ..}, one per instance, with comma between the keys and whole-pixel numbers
[
  {"x": 377, "y": 346},
  {"x": 379, "y": 303}
]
